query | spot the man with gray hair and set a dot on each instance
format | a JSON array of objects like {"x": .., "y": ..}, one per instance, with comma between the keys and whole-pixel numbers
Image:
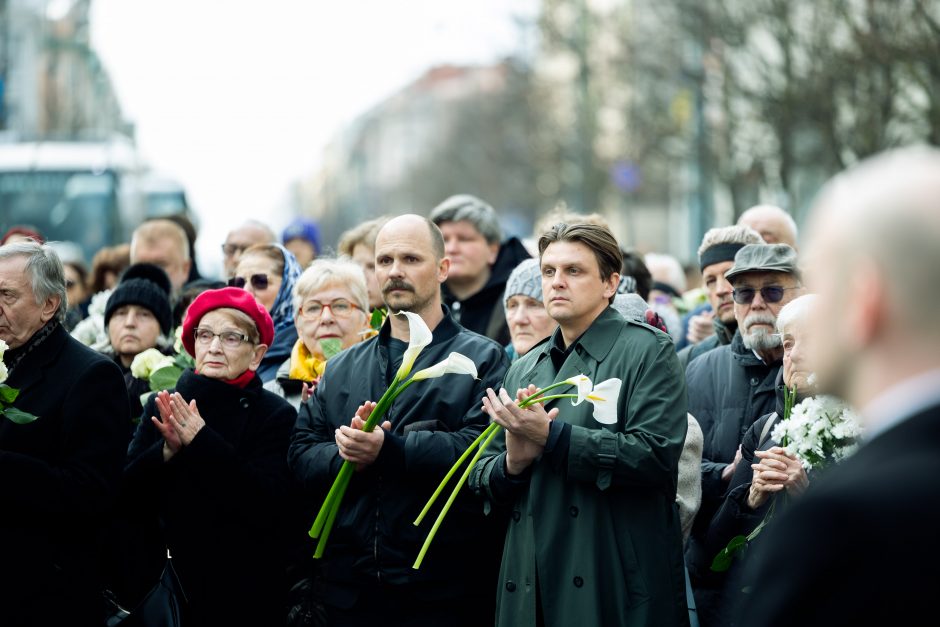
[
  {"x": 734, "y": 385},
  {"x": 866, "y": 539},
  {"x": 715, "y": 257},
  {"x": 61, "y": 469},
  {"x": 479, "y": 264}
]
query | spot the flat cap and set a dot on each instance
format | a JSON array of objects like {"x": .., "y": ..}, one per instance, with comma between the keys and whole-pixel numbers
[{"x": 764, "y": 258}]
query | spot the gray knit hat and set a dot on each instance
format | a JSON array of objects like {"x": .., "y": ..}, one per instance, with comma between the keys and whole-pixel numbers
[{"x": 526, "y": 279}]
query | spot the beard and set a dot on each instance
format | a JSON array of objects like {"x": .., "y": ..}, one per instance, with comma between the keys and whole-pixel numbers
[
  {"x": 407, "y": 299},
  {"x": 759, "y": 338}
]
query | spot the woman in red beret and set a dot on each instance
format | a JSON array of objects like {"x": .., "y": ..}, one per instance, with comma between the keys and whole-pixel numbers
[{"x": 209, "y": 462}]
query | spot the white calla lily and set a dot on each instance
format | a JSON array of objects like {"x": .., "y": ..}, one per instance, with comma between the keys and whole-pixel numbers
[
  {"x": 454, "y": 364},
  {"x": 584, "y": 385},
  {"x": 604, "y": 398},
  {"x": 419, "y": 336}
]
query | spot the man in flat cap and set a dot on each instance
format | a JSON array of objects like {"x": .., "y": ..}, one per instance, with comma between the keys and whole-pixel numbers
[{"x": 731, "y": 386}]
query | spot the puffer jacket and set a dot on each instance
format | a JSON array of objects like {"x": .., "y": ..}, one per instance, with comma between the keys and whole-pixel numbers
[{"x": 433, "y": 422}]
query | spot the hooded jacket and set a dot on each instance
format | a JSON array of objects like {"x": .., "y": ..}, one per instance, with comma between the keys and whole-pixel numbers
[
  {"x": 483, "y": 312},
  {"x": 433, "y": 422}
]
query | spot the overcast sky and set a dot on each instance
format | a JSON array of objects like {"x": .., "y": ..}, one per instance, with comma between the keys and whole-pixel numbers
[{"x": 237, "y": 99}]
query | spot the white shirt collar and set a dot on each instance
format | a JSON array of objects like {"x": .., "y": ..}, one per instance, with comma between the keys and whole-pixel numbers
[{"x": 900, "y": 402}]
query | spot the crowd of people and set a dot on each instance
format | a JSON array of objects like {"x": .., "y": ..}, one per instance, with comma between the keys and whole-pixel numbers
[{"x": 609, "y": 505}]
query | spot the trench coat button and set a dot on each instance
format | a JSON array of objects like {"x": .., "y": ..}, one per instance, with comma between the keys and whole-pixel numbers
[
  {"x": 578, "y": 582},
  {"x": 573, "y": 511},
  {"x": 510, "y": 586},
  {"x": 754, "y": 380},
  {"x": 516, "y": 515},
  {"x": 243, "y": 402}
]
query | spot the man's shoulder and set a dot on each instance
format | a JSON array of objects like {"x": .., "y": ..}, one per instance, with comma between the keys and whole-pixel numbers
[{"x": 706, "y": 363}]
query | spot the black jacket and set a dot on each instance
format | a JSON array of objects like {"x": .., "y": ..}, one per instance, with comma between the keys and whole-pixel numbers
[
  {"x": 735, "y": 517},
  {"x": 860, "y": 546},
  {"x": 721, "y": 337},
  {"x": 433, "y": 422},
  {"x": 729, "y": 388},
  {"x": 59, "y": 476},
  {"x": 223, "y": 500},
  {"x": 483, "y": 312}
]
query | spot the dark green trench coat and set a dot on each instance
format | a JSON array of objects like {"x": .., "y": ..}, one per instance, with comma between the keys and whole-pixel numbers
[{"x": 600, "y": 535}]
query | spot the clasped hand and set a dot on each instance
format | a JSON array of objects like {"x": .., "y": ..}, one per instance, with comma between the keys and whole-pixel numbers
[
  {"x": 526, "y": 428},
  {"x": 355, "y": 445},
  {"x": 776, "y": 471},
  {"x": 179, "y": 422}
]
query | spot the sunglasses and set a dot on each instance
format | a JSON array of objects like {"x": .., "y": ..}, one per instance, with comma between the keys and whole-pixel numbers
[
  {"x": 258, "y": 281},
  {"x": 769, "y": 293}
]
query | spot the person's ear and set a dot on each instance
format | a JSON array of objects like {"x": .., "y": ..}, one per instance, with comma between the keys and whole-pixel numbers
[
  {"x": 866, "y": 298},
  {"x": 443, "y": 269},
  {"x": 494, "y": 252},
  {"x": 611, "y": 284},
  {"x": 257, "y": 354},
  {"x": 49, "y": 308}
]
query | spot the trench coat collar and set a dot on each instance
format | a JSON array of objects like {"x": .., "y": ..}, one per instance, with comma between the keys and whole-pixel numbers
[{"x": 595, "y": 343}]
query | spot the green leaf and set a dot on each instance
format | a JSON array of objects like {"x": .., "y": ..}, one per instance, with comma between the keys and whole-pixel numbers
[
  {"x": 378, "y": 318},
  {"x": 18, "y": 416},
  {"x": 164, "y": 378},
  {"x": 725, "y": 557},
  {"x": 331, "y": 346},
  {"x": 8, "y": 394}
]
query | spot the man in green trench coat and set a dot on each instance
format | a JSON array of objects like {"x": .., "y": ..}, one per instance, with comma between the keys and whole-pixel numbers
[{"x": 594, "y": 536}]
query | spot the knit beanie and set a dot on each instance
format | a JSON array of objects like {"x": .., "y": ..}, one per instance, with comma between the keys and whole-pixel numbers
[
  {"x": 226, "y": 298},
  {"x": 146, "y": 285},
  {"x": 526, "y": 279}
]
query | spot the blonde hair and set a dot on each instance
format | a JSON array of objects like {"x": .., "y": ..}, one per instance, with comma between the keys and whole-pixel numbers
[
  {"x": 152, "y": 231},
  {"x": 324, "y": 271},
  {"x": 363, "y": 233}
]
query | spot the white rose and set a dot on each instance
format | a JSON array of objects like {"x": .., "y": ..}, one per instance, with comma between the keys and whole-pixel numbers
[
  {"x": 3, "y": 366},
  {"x": 148, "y": 362}
]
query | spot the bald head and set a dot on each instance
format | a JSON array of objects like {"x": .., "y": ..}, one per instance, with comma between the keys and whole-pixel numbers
[
  {"x": 413, "y": 224},
  {"x": 241, "y": 238},
  {"x": 775, "y": 225},
  {"x": 873, "y": 257}
]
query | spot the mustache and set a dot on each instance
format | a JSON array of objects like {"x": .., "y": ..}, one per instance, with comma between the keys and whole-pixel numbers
[
  {"x": 396, "y": 285},
  {"x": 759, "y": 318}
]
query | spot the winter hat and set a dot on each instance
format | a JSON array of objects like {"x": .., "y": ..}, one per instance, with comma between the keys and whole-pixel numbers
[
  {"x": 526, "y": 279},
  {"x": 303, "y": 228},
  {"x": 226, "y": 298},
  {"x": 146, "y": 285}
]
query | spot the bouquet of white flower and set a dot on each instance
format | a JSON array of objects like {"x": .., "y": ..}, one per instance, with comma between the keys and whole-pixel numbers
[{"x": 819, "y": 430}]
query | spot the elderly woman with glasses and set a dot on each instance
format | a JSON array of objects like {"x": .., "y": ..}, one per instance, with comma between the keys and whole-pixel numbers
[
  {"x": 209, "y": 461},
  {"x": 331, "y": 314},
  {"x": 268, "y": 272}
]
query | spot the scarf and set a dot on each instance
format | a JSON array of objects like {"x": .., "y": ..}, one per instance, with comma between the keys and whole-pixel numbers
[
  {"x": 305, "y": 366},
  {"x": 282, "y": 311},
  {"x": 240, "y": 381},
  {"x": 14, "y": 356}
]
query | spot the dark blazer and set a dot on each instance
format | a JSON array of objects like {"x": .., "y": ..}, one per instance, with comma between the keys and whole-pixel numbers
[
  {"x": 224, "y": 500},
  {"x": 861, "y": 547},
  {"x": 58, "y": 476}
]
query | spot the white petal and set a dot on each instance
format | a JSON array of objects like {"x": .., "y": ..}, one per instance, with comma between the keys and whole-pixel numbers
[
  {"x": 604, "y": 397},
  {"x": 454, "y": 364},
  {"x": 419, "y": 336},
  {"x": 584, "y": 387}
]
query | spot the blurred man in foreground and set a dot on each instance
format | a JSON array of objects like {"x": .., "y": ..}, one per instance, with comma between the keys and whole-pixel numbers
[{"x": 862, "y": 547}]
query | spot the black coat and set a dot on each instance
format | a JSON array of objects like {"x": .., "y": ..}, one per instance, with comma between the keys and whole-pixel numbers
[
  {"x": 861, "y": 545},
  {"x": 59, "y": 475},
  {"x": 483, "y": 312},
  {"x": 433, "y": 422},
  {"x": 223, "y": 500},
  {"x": 729, "y": 388}
]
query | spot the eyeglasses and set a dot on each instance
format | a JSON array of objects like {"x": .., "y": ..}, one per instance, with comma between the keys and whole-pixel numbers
[
  {"x": 229, "y": 339},
  {"x": 258, "y": 281},
  {"x": 340, "y": 308},
  {"x": 230, "y": 250},
  {"x": 770, "y": 294}
]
